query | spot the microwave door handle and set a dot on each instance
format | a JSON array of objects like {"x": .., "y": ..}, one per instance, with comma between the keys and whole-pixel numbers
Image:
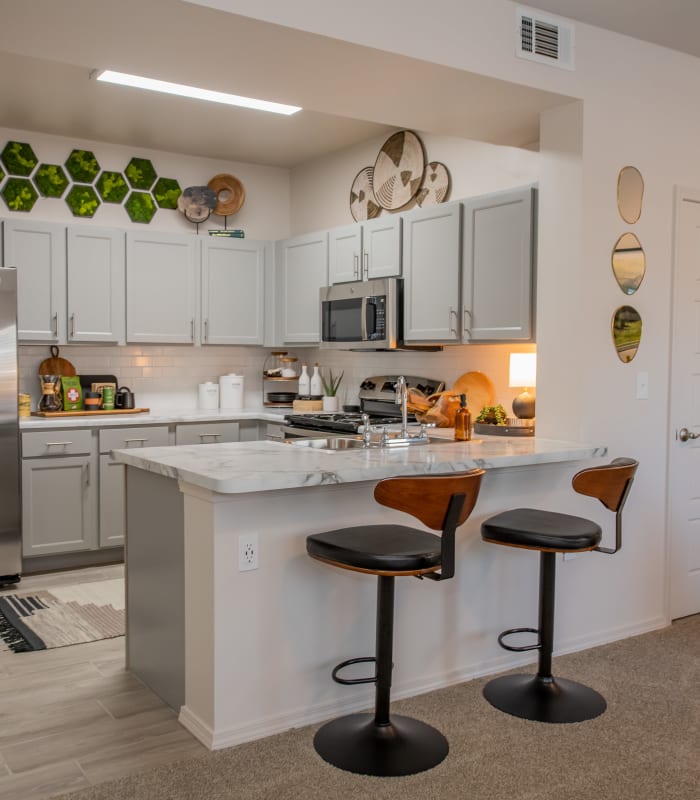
[{"x": 363, "y": 323}]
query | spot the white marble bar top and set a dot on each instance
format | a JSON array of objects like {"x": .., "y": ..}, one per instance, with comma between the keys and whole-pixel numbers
[
  {"x": 153, "y": 417},
  {"x": 237, "y": 468}
]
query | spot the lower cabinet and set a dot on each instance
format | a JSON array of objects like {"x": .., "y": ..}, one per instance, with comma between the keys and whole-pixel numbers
[
  {"x": 206, "y": 433},
  {"x": 59, "y": 492}
]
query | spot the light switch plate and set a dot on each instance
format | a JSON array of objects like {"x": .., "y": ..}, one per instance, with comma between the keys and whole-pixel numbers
[{"x": 642, "y": 386}]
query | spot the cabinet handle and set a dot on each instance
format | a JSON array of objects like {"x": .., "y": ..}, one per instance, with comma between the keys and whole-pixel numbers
[
  {"x": 55, "y": 324},
  {"x": 356, "y": 265},
  {"x": 72, "y": 325},
  {"x": 127, "y": 442},
  {"x": 365, "y": 259},
  {"x": 192, "y": 329},
  {"x": 203, "y": 436},
  {"x": 206, "y": 330},
  {"x": 467, "y": 324},
  {"x": 86, "y": 473},
  {"x": 58, "y": 444}
]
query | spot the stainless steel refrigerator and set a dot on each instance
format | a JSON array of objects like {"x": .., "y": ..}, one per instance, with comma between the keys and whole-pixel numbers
[{"x": 10, "y": 500}]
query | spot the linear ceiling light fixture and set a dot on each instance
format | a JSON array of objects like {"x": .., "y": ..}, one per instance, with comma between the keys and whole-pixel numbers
[{"x": 139, "y": 82}]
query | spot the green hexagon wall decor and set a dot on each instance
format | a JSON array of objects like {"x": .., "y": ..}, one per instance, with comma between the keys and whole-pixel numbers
[
  {"x": 51, "y": 180},
  {"x": 82, "y": 200},
  {"x": 140, "y": 173},
  {"x": 19, "y": 194},
  {"x": 19, "y": 158},
  {"x": 166, "y": 191},
  {"x": 2, "y": 174},
  {"x": 82, "y": 166},
  {"x": 140, "y": 207},
  {"x": 112, "y": 187}
]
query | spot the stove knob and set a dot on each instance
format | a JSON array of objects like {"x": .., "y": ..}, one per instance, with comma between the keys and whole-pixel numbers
[{"x": 367, "y": 385}]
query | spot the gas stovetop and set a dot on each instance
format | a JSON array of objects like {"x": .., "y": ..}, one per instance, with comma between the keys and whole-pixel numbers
[{"x": 377, "y": 398}]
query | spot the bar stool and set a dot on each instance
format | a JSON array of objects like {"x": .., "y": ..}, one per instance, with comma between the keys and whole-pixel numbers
[
  {"x": 542, "y": 697},
  {"x": 380, "y": 744}
]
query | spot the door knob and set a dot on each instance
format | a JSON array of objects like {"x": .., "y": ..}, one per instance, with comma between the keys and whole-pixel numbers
[{"x": 684, "y": 434}]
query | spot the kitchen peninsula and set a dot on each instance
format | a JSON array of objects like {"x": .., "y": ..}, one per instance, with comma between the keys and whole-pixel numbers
[{"x": 245, "y": 652}]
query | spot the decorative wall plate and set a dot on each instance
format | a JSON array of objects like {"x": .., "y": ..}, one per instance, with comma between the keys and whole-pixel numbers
[
  {"x": 197, "y": 203},
  {"x": 230, "y": 194},
  {"x": 435, "y": 186},
  {"x": 363, "y": 203},
  {"x": 398, "y": 170}
]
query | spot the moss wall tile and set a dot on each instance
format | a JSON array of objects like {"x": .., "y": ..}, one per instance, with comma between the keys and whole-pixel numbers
[
  {"x": 140, "y": 173},
  {"x": 140, "y": 207},
  {"x": 82, "y": 166},
  {"x": 19, "y": 194},
  {"x": 166, "y": 192},
  {"x": 19, "y": 158},
  {"x": 51, "y": 180},
  {"x": 112, "y": 187},
  {"x": 82, "y": 200}
]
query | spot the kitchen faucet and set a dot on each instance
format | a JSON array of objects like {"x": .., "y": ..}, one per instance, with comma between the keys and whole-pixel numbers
[{"x": 402, "y": 399}]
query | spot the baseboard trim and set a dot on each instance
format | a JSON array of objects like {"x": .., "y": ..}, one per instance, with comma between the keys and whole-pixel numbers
[{"x": 259, "y": 729}]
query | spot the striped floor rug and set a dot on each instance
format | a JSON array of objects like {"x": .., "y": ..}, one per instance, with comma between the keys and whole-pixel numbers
[{"x": 61, "y": 616}]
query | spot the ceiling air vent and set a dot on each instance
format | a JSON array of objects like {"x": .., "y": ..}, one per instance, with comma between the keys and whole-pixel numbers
[{"x": 544, "y": 38}]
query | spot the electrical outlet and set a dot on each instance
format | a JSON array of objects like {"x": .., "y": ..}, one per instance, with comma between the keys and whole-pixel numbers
[
  {"x": 247, "y": 551},
  {"x": 569, "y": 556}
]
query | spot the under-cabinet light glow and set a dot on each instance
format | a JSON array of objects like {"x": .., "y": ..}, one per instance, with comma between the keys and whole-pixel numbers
[{"x": 139, "y": 82}]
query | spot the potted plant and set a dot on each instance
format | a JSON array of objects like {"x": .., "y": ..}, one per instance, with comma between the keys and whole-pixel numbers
[{"x": 330, "y": 390}]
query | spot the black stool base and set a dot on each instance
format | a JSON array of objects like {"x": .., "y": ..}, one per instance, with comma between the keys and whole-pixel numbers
[
  {"x": 357, "y": 744},
  {"x": 544, "y": 700}
]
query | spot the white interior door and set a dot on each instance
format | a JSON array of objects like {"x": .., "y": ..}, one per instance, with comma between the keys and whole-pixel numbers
[{"x": 684, "y": 456}]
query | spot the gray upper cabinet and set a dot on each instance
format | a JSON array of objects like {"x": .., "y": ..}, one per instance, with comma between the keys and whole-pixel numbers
[
  {"x": 497, "y": 266},
  {"x": 233, "y": 291},
  {"x": 302, "y": 269},
  {"x": 96, "y": 285},
  {"x": 162, "y": 297},
  {"x": 365, "y": 251},
  {"x": 38, "y": 251},
  {"x": 431, "y": 262}
]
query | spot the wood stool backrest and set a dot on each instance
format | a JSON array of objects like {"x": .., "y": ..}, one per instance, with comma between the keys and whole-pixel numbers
[{"x": 609, "y": 483}]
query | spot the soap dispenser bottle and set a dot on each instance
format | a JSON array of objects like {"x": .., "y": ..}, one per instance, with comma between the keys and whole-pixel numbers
[
  {"x": 316, "y": 385},
  {"x": 304, "y": 385},
  {"x": 463, "y": 421}
]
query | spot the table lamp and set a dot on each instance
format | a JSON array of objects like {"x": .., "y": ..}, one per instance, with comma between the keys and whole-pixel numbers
[{"x": 523, "y": 369}]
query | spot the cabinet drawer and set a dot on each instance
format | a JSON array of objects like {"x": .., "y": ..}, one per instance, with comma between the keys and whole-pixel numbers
[
  {"x": 66, "y": 442},
  {"x": 142, "y": 436},
  {"x": 208, "y": 433}
]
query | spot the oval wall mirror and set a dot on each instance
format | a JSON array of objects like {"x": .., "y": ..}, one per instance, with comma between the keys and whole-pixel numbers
[
  {"x": 626, "y": 332},
  {"x": 630, "y": 191},
  {"x": 628, "y": 263}
]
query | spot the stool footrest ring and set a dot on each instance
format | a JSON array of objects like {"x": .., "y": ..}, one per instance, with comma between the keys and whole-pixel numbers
[
  {"x": 522, "y": 648},
  {"x": 352, "y": 681}
]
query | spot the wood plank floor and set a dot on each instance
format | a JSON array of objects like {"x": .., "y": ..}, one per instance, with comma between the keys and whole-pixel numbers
[{"x": 73, "y": 716}]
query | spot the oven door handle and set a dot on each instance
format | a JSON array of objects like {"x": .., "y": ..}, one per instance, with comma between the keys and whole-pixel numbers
[{"x": 363, "y": 321}]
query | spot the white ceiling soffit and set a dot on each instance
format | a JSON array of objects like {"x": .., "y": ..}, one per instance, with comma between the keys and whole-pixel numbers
[{"x": 349, "y": 93}]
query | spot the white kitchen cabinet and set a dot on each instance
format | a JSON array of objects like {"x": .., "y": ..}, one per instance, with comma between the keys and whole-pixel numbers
[
  {"x": 431, "y": 262},
  {"x": 498, "y": 266},
  {"x": 302, "y": 266},
  {"x": 206, "y": 432},
  {"x": 233, "y": 291},
  {"x": 96, "y": 284},
  {"x": 365, "y": 251},
  {"x": 59, "y": 492},
  {"x": 162, "y": 295},
  {"x": 38, "y": 251}
]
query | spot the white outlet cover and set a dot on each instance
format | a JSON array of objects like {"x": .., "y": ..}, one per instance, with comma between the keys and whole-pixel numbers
[{"x": 247, "y": 551}]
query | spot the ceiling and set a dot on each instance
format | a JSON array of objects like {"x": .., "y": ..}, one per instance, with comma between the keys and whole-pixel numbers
[{"x": 48, "y": 49}]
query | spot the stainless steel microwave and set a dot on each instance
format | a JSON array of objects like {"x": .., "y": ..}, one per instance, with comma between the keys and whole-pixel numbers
[{"x": 363, "y": 315}]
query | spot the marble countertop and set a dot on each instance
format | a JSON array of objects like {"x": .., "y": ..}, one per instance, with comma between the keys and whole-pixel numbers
[
  {"x": 153, "y": 417},
  {"x": 237, "y": 468}
]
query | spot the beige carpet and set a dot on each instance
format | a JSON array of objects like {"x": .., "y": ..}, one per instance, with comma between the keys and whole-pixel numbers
[{"x": 645, "y": 747}]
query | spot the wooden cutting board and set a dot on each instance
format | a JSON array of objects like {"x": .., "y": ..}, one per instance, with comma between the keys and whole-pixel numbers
[
  {"x": 56, "y": 365},
  {"x": 89, "y": 413}
]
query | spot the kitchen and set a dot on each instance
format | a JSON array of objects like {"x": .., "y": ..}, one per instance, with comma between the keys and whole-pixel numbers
[{"x": 561, "y": 409}]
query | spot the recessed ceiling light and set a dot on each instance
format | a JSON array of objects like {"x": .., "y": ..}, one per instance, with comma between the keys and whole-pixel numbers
[{"x": 139, "y": 82}]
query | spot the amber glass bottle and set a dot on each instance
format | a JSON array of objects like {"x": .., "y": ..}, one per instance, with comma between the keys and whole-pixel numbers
[{"x": 463, "y": 421}]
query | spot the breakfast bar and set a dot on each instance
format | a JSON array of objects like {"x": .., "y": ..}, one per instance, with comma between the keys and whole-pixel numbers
[{"x": 231, "y": 623}]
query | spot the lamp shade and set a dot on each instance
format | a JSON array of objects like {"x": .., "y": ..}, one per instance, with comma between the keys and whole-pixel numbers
[{"x": 523, "y": 369}]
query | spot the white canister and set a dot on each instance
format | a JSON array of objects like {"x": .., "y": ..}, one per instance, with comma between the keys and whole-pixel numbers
[
  {"x": 208, "y": 395},
  {"x": 231, "y": 392}
]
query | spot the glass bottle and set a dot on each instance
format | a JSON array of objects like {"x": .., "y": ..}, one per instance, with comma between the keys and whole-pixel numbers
[
  {"x": 304, "y": 382},
  {"x": 316, "y": 385},
  {"x": 463, "y": 421}
]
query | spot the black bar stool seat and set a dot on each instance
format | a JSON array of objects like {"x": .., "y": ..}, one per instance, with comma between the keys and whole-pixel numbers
[
  {"x": 542, "y": 697},
  {"x": 379, "y": 743}
]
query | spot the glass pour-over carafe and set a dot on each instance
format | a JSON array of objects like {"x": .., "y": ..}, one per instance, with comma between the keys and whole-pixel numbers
[{"x": 50, "y": 393}]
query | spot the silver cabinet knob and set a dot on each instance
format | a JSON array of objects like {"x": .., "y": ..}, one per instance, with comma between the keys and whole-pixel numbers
[{"x": 684, "y": 434}]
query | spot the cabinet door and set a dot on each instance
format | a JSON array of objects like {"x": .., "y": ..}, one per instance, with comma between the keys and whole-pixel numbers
[
  {"x": 497, "y": 276},
  {"x": 233, "y": 291},
  {"x": 206, "y": 433},
  {"x": 431, "y": 245},
  {"x": 38, "y": 251},
  {"x": 112, "y": 502},
  {"x": 96, "y": 278},
  {"x": 303, "y": 265},
  {"x": 161, "y": 288},
  {"x": 345, "y": 254},
  {"x": 381, "y": 245},
  {"x": 59, "y": 505}
]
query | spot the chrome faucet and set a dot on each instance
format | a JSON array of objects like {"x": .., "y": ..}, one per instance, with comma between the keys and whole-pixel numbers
[
  {"x": 366, "y": 430},
  {"x": 402, "y": 400}
]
